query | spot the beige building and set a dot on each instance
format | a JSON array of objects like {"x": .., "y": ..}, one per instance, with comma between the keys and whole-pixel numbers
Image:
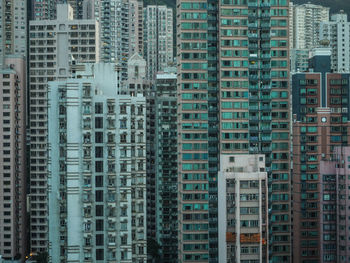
[
  {"x": 53, "y": 45},
  {"x": 242, "y": 204},
  {"x": 306, "y": 24},
  {"x": 13, "y": 172}
]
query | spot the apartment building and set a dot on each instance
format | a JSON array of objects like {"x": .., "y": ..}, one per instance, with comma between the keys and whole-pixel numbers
[
  {"x": 320, "y": 126},
  {"x": 243, "y": 213},
  {"x": 43, "y": 9},
  {"x": 334, "y": 179},
  {"x": 113, "y": 16},
  {"x": 13, "y": 28},
  {"x": 166, "y": 165},
  {"x": 97, "y": 169},
  {"x": 53, "y": 45},
  {"x": 336, "y": 35},
  {"x": 136, "y": 27},
  {"x": 13, "y": 170},
  {"x": 233, "y": 97},
  {"x": 158, "y": 39},
  {"x": 306, "y": 24}
]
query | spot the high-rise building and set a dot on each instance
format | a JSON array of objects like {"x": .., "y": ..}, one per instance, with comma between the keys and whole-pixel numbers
[
  {"x": 13, "y": 170},
  {"x": 233, "y": 97},
  {"x": 43, "y": 9},
  {"x": 336, "y": 34},
  {"x": 113, "y": 16},
  {"x": 334, "y": 179},
  {"x": 306, "y": 24},
  {"x": 158, "y": 39},
  {"x": 13, "y": 28},
  {"x": 97, "y": 168},
  {"x": 77, "y": 6},
  {"x": 53, "y": 45},
  {"x": 320, "y": 124},
  {"x": 299, "y": 60},
  {"x": 166, "y": 165},
  {"x": 135, "y": 27},
  {"x": 243, "y": 212}
]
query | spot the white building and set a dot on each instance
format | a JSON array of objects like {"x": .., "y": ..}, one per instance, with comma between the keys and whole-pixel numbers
[
  {"x": 242, "y": 206},
  {"x": 336, "y": 34},
  {"x": 53, "y": 45},
  {"x": 13, "y": 28},
  {"x": 306, "y": 24},
  {"x": 97, "y": 169},
  {"x": 158, "y": 39}
]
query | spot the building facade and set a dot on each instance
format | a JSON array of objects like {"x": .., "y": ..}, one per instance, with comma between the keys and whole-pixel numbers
[
  {"x": 13, "y": 28},
  {"x": 136, "y": 27},
  {"x": 53, "y": 45},
  {"x": 306, "y": 24},
  {"x": 320, "y": 124},
  {"x": 166, "y": 165},
  {"x": 299, "y": 60},
  {"x": 158, "y": 39},
  {"x": 97, "y": 169},
  {"x": 240, "y": 105},
  {"x": 243, "y": 213},
  {"x": 336, "y": 34},
  {"x": 113, "y": 17},
  {"x": 13, "y": 170},
  {"x": 334, "y": 177},
  {"x": 43, "y": 10}
]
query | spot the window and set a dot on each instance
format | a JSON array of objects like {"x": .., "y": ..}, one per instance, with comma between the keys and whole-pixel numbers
[
  {"x": 99, "y": 252},
  {"x": 99, "y": 225},
  {"x": 98, "y": 108},
  {"x": 98, "y": 122},
  {"x": 99, "y": 210},
  {"x": 99, "y": 137},
  {"x": 99, "y": 196}
]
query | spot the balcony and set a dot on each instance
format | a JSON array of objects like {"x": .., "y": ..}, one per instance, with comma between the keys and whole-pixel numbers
[
  {"x": 265, "y": 56},
  {"x": 266, "y": 138},
  {"x": 254, "y": 118},
  {"x": 253, "y": 46},
  {"x": 265, "y": 36},
  {"x": 266, "y": 128},
  {"x": 253, "y": 66},
  {"x": 252, "y": 36},
  {"x": 252, "y": 25},
  {"x": 266, "y": 149},
  {"x": 265, "y": 108},
  {"x": 254, "y": 108},
  {"x": 265, "y": 77},
  {"x": 265, "y": 16},
  {"x": 253, "y": 97},
  {"x": 253, "y": 87},
  {"x": 265, "y": 5},
  {"x": 265, "y": 66},
  {"x": 254, "y": 139},
  {"x": 252, "y": 5},
  {"x": 266, "y": 118},
  {"x": 253, "y": 149},
  {"x": 265, "y": 25},
  {"x": 265, "y": 97},
  {"x": 253, "y": 77},
  {"x": 265, "y": 46},
  {"x": 266, "y": 87},
  {"x": 253, "y": 128}
]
